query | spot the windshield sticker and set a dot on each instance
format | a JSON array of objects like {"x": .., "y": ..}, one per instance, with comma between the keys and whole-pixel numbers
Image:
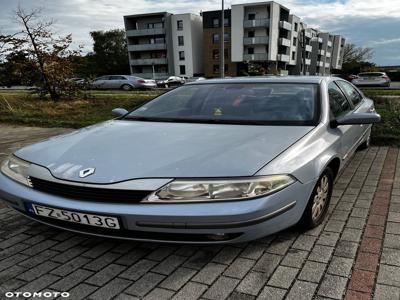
[{"x": 218, "y": 111}]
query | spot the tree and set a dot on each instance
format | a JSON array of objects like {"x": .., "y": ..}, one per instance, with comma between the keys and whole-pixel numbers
[
  {"x": 355, "y": 59},
  {"x": 50, "y": 55},
  {"x": 110, "y": 54},
  {"x": 352, "y": 53}
]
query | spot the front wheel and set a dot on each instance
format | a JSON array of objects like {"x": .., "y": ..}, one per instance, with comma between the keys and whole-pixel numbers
[{"x": 318, "y": 203}]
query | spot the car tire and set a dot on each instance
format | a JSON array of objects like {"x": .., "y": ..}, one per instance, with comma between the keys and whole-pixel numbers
[
  {"x": 126, "y": 87},
  {"x": 366, "y": 143},
  {"x": 318, "y": 204}
]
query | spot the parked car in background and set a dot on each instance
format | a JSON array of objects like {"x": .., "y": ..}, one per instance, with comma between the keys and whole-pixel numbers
[
  {"x": 213, "y": 161},
  {"x": 193, "y": 79},
  {"x": 348, "y": 77},
  {"x": 124, "y": 82},
  {"x": 372, "y": 79},
  {"x": 171, "y": 81}
]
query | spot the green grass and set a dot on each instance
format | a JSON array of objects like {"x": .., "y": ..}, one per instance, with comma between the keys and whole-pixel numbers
[{"x": 22, "y": 107}]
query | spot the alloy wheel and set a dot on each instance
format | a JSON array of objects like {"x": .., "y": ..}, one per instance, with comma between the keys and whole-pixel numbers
[{"x": 321, "y": 198}]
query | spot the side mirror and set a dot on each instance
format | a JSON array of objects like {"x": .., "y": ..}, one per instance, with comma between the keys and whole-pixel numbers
[
  {"x": 119, "y": 112},
  {"x": 357, "y": 119}
]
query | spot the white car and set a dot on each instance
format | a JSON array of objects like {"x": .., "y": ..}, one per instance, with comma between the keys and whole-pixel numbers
[
  {"x": 372, "y": 79},
  {"x": 124, "y": 82}
]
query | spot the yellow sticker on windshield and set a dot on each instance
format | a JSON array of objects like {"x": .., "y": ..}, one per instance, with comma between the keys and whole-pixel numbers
[{"x": 217, "y": 111}]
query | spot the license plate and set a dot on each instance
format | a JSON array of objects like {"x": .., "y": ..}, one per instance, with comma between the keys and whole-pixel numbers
[{"x": 75, "y": 217}]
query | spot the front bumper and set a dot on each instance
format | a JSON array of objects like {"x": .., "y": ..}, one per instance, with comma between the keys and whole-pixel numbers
[{"x": 218, "y": 222}]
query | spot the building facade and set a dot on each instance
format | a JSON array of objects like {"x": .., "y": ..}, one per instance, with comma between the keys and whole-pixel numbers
[
  {"x": 212, "y": 43},
  {"x": 163, "y": 44},
  {"x": 263, "y": 34}
]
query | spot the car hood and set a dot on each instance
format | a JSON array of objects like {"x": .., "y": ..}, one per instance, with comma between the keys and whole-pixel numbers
[{"x": 122, "y": 150}]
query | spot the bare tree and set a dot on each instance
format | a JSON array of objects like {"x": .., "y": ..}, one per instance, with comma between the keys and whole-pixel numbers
[
  {"x": 50, "y": 54},
  {"x": 354, "y": 54}
]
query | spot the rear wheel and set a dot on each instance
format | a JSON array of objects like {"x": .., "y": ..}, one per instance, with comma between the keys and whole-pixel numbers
[
  {"x": 318, "y": 203},
  {"x": 126, "y": 87}
]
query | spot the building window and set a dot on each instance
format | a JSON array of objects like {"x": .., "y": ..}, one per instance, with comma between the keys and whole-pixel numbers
[
  {"x": 215, "y": 22},
  {"x": 296, "y": 26},
  {"x": 215, "y": 38},
  {"x": 250, "y": 34},
  {"x": 251, "y": 16},
  {"x": 294, "y": 41},
  {"x": 181, "y": 55},
  {"x": 182, "y": 69},
  {"x": 226, "y": 22},
  {"x": 179, "y": 25},
  {"x": 293, "y": 55},
  {"x": 215, "y": 54},
  {"x": 180, "y": 40},
  {"x": 226, "y": 68},
  {"x": 155, "y": 25},
  {"x": 226, "y": 53},
  {"x": 215, "y": 69},
  {"x": 250, "y": 50},
  {"x": 226, "y": 37}
]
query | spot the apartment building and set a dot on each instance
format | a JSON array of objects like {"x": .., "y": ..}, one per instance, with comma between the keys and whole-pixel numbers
[
  {"x": 262, "y": 33},
  {"x": 163, "y": 44},
  {"x": 212, "y": 43},
  {"x": 265, "y": 34},
  {"x": 337, "y": 54}
]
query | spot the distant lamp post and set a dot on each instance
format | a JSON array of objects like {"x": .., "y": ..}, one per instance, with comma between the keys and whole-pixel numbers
[{"x": 222, "y": 55}]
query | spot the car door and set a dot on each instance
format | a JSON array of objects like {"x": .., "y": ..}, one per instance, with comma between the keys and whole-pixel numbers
[
  {"x": 359, "y": 103},
  {"x": 114, "y": 82},
  {"x": 339, "y": 107},
  {"x": 100, "y": 82}
]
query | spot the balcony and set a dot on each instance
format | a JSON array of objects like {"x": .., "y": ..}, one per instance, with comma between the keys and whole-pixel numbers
[
  {"x": 284, "y": 42},
  {"x": 319, "y": 40},
  {"x": 328, "y": 54},
  {"x": 327, "y": 65},
  {"x": 151, "y": 75},
  {"x": 308, "y": 48},
  {"x": 329, "y": 44},
  {"x": 256, "y": 23},
  {"x": 257, "y": 40},
  {"x": 321, "y": 52},
  {"x": 308, "y": 61},
  {"x": 144, "y": 32},
  {"x": 285, "y": 25},
  {"x": 255, "y": 57},
  {"x": 147, "y": 47},
  {"x": 308, "y": 34},
  {"x": 320, "y": 64},
  {"x": 148, "y": 61},
  {"x": 283, "y": 57}
]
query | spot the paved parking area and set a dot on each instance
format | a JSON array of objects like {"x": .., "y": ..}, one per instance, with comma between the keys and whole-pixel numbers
[{"x": 355, "y": 254}]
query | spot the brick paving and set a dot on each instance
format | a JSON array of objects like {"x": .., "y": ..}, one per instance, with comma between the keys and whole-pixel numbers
[{"x": 355, "y": 254}]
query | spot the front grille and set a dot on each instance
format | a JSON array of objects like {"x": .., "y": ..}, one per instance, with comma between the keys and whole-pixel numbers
[{"x": 88, "y": 193}]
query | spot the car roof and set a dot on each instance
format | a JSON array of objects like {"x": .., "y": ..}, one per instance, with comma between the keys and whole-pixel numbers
[{"x": 268, "y": 79}]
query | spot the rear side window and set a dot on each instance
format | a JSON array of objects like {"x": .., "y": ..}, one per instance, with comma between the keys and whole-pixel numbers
[
  {"x": 337, "y": 101},
  {"x": 352, "y": 94}
]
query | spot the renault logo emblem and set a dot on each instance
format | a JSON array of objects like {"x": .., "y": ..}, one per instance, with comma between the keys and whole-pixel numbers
[{"x": 86, "y": 172}]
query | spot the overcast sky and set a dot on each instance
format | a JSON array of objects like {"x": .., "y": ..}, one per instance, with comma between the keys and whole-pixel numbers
[{"x": 372, "y": 23}]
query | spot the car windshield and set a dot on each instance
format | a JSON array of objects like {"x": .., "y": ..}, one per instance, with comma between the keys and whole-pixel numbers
[{"x": 248, "y": 103}]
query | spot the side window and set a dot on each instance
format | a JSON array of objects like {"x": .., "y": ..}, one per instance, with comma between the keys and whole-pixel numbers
[
  {"x": 337, "y": 101},
  {"x": 352, "y": 94}
]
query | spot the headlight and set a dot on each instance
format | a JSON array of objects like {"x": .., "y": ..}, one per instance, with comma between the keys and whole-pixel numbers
[
  {"x": 213, "y": 190},
  {"x": 16, "y": 169}
]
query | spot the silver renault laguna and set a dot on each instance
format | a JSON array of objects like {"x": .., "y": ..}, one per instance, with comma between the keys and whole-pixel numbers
[{"x": 213, "y": 161}]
